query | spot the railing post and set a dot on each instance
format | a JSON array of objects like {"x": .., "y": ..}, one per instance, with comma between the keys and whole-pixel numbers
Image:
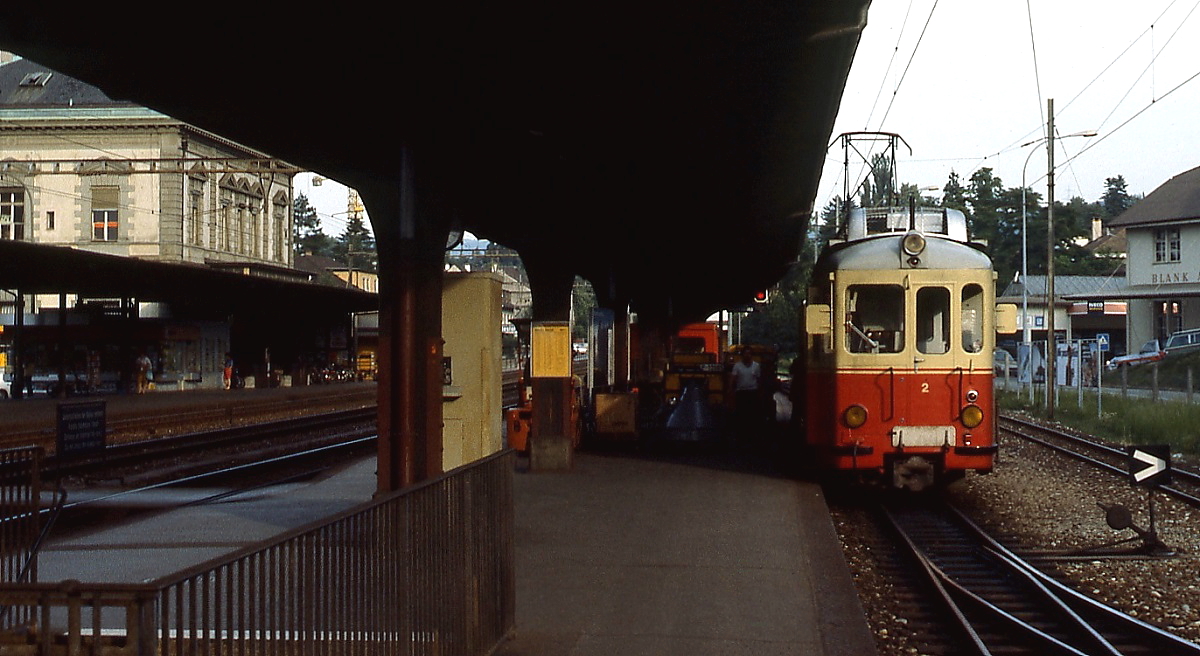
[
  {"x": 74, "y": 618},
  {"x": 140, "y": 629}
]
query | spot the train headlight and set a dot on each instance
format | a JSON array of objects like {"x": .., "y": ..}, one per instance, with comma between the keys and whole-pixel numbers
[
  {"x": 854, "y": 416},
  {"x": 913, "y": 244},
  {"x": 972, "y": 416}
]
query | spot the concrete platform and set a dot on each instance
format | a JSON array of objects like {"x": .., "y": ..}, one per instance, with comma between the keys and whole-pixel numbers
[
  {"x": 627, "y": 555},
  {"x": 624, "y": 554}
]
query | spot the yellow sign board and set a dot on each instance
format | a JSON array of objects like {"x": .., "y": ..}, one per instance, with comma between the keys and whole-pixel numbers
[{"x": 551, "y": 345}]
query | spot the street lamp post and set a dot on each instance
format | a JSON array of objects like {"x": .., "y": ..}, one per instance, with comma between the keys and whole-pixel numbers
[
  {"x": 1051, "y": 387},
  {"x": 1026, "y": 338}
]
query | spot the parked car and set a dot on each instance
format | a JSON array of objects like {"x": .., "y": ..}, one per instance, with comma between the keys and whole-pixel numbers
[
  {"x": 1183, "y": 340},
  {"x": 5, "y": 385},
  {"x": 1000, "y": 358},
  {"x": 1150, "y": 352}
]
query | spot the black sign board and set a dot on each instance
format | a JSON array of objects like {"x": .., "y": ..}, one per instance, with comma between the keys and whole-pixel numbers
[
  {"x": 1149, "y": 464},
  {"x": 81, "y": 428}
]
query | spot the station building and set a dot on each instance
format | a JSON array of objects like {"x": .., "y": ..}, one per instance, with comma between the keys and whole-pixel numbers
[
  {"x": 81, "y": 173},
  {"x": 1163, "y": 234}
]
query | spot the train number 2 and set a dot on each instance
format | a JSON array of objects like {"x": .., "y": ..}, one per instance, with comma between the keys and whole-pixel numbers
[{"x": 924, "y": 388}]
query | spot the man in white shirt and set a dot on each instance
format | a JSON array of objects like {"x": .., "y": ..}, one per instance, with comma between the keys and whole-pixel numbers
[{"x": 746, "y": 384}]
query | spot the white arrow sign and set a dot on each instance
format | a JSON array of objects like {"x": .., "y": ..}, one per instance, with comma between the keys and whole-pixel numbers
[{"x": 1157, "y": 465}]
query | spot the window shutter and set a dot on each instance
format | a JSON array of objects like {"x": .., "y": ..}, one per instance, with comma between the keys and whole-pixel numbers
[{"x": 104, "y": 197}]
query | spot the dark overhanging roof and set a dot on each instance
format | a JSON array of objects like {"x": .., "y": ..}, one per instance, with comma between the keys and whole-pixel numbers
[
  {"x": 44, "y": 269},
  {"x": 1177, "y": 199},
  {"x": 668, "y": 152}
]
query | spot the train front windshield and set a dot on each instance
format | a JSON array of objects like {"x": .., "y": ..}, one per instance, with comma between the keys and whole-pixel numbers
[
  {"x": 876, "y": 314},
  {"x": 875, "y": 318}
]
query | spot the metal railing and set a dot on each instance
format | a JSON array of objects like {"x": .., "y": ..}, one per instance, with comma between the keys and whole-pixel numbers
[
  {"x": 20, "y": 501},
  {"x": 424, "y": 571}
]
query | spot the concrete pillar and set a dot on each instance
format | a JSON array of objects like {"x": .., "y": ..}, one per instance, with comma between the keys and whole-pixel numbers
[
  {"x": 411, "y": 249},
  {"x": 551, "y": 433},
  {"x": 621, "y": 346},
  {"x": 19, "y": 350}
]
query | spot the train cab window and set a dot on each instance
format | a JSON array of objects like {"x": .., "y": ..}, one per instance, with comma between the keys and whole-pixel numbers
[
  {"x": 933, "y": 320},
  {"x": 972, "y": 318},
  {"x": 874, "y": 318}
]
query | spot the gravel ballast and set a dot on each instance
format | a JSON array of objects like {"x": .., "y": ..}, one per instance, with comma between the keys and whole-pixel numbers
[{"x": 1042, "y": 502}]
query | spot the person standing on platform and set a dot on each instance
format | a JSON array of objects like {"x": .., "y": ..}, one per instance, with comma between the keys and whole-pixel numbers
[
  {"x": 143, "y": 373},
  {"x": 227, "y": 373},
  {"x": 746, "y": 382},
  {"x": 27, "y": 376}
]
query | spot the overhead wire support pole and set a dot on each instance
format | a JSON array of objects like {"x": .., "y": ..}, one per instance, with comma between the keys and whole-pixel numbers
[{"x": 1051, "y": 351}]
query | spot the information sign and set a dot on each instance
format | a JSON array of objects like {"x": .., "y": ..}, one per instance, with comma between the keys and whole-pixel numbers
[
  {"x": 81, "y": 428},
  {"x": 550, "y": 344}
]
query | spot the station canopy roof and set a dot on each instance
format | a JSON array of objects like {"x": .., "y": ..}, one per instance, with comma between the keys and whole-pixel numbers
[
  {"x": 669, "y": 152},
  {"x": 44, "y": 269}
]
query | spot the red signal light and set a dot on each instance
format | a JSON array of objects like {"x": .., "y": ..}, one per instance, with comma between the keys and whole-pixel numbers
[{"x": 760, "y": 297}]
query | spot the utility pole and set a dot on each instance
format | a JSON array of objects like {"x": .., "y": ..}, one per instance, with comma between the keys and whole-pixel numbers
[{"x": 1051, "y": 351}]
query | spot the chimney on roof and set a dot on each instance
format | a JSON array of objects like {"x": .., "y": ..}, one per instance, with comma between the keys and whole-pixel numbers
[{"x": 1097, "y": 228}]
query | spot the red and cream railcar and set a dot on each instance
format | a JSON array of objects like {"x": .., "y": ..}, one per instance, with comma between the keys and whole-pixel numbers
[{"x": 900, "y": 329}]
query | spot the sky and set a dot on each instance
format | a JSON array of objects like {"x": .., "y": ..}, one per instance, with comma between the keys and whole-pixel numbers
[
  {"x": 957, "y": 80},
  {"x": 330, "y": 198}
]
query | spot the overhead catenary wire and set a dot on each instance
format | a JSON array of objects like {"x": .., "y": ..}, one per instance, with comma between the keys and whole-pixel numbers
[
  {"x": 1176, "y": 20},
  {"x": 883, "y": 85},
  {"x": 1150, "y": 66}
]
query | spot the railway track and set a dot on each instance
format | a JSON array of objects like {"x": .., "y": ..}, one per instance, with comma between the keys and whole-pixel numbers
[
  {"x": 1000, "y": 604},
  {"x": 227, "y": 462},
  {"x": 1185, "y": 484},
  {"x": 238, "y": 410},
  {"x": 215, "y": 448}
]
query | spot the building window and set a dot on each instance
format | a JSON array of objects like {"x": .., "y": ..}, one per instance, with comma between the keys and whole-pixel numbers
[
  {"x": 280, "y": 219},
  {"x": 12, "y": 214},
  {"x": 1166, "y": 245},
  {"x": 104, "y": 213},
  {"x": 50, "y": 220},
  {"x": 196, "y": 191},
  {"x": 1168, "y": 318}
]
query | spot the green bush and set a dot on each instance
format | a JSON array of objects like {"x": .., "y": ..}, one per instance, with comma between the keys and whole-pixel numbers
[{"x": 1122, "y": 420}]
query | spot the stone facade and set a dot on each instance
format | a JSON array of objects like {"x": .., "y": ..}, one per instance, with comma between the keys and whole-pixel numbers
[
  {"x": 81, "y": 170},
  {"x": 126, "y": 185}
]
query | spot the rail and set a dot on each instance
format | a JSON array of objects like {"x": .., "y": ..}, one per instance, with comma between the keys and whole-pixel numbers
[
  {"x": 426, "y": 570},
  {"x": 1003, "y": 604},
  {"x": 1095, "y": 453}
]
